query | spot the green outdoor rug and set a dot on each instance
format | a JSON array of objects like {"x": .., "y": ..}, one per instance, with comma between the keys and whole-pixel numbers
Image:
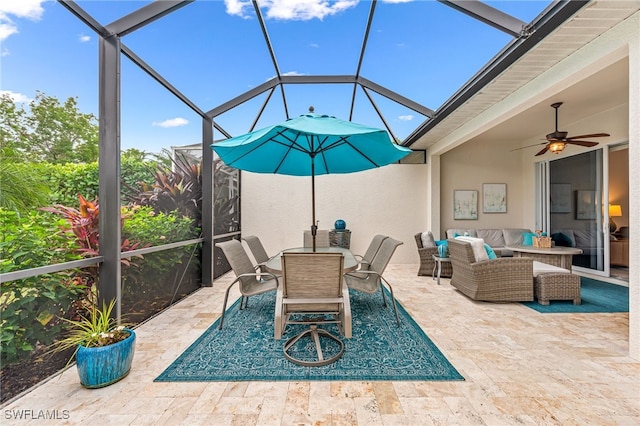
[
  {"x": 245, "y": 350},
  {"x": 597, "y": 296}
]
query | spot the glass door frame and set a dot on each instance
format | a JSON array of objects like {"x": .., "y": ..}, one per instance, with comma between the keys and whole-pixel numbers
[{"x": 543, "y": 206}]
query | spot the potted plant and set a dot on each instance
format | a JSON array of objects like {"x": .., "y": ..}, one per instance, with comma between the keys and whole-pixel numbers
[{"x": 104, "y": 351}]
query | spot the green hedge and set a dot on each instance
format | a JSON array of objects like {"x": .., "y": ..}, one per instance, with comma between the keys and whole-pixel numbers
[
  {"x": 31, "y": 307},
  {"x": 66, "y": 181}
]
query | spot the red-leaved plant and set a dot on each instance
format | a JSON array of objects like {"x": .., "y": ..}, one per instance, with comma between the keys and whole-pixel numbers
[{"x": 84, "y": 223}]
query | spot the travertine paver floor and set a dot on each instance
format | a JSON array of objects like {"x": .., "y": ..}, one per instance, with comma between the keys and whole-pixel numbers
[{"x": 520, "y": 366}]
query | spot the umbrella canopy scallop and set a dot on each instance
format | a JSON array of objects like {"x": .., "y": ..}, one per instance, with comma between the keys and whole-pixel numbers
[{"x": 311, "y": 145}]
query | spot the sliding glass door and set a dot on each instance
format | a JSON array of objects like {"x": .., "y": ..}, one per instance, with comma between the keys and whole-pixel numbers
[{"x": 571, "y": 196}]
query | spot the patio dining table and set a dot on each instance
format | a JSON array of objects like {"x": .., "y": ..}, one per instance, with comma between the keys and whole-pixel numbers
[{"x": 274, "y": 265}]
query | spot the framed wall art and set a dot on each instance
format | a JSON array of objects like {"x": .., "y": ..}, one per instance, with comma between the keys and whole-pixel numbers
[
  {"x": 560, "y": 197},
  {"x": 465, "y": 204},
  {"x": 585, "y": 204},
  {"x": 494, "y": 198}
]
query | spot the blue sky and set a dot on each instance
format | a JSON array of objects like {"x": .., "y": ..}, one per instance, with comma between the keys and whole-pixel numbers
[{"x": 213, "y": 51}]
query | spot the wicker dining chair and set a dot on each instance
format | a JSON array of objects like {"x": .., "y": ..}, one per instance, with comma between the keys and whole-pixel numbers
[{"x": 251, "y": 281}]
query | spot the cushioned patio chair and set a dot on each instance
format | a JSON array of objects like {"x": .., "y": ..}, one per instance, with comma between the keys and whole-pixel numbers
[
  {"x": 251, "y": 282},
  {"x": 312, "y": 292},
  {"x": 503, "y": 279},
  {"x": 365, "y": 260},
  {"x": 371, "y": 281},
  {"x": 427, "y": 264},
  {"x": 322, "y": 238}
]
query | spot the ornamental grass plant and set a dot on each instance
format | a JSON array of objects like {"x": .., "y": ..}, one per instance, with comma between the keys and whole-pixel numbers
[{"x": 94, "y": 330}]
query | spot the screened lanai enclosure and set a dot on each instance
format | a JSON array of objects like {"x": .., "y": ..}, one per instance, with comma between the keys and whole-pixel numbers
[{"x": 149, "y": 269}]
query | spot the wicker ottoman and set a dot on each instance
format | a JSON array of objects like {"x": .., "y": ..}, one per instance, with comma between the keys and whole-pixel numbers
[{"x": 557, "y": 286}]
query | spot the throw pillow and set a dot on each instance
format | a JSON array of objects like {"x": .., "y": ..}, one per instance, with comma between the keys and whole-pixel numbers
[
  {"x": 477, "y": 245},
  {"x": 427, "y": 239},
  {"x": 562, "y": 240},
  {"x": 527, "y": 238},
  {"x": 490, "y": 252}
]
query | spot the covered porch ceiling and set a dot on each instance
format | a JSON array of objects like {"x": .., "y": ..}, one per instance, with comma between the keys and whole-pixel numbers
[{"x": 601, "y": 88}]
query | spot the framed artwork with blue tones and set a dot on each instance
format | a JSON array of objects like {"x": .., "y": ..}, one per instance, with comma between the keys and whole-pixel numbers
[{"x": 494, "y": 198}]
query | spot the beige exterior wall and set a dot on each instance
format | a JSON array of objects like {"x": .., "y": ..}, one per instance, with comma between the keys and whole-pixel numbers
[
  {"x": 389, "y": 200},
  {"x": 468, "y": 167}
]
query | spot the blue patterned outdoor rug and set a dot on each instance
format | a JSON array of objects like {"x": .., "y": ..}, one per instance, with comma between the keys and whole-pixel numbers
[
  {"x": 597, "y": 296},
  {"x": 245, "y": 350}
]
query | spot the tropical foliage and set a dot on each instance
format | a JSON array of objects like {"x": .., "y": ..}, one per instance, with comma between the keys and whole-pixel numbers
[{"x": 49, "y": 210}]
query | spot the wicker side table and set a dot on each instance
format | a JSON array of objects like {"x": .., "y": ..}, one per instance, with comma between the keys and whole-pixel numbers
[{"x": 557, "y": 286}]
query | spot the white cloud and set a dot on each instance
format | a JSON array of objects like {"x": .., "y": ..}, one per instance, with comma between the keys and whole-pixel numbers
[
  {"x": 84, "y": 38},
  {"x": 172, "y": 122},
  {"x": 408, "y": 117},
  {"x": 286, "y": 73},
  {"x": 295, "y": 10},
  {"x": 316, "y": 45},
  {"x": 26, "y": 9},
  {"x": 238, "y": 7},
  {"x": 16, "y": 97}
]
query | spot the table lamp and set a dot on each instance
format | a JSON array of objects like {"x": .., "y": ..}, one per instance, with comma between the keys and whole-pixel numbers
[{"x": 615, "y": 210}]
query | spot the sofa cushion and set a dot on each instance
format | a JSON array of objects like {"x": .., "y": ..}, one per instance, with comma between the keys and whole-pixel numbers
[
  {"x": 584, "y": 239},
  {"x": 493, "y": 237},
  {"x": 544, "y": 268},
  {"x": 452, "y": 233},
  {"x": 427, "y": 239},
  {"x": 477, "y": 245},
  {"x": 513, "y": 236}
]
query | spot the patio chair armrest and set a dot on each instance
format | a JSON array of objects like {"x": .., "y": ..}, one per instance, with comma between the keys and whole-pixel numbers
[
  {"x": 358, "y": 273},
  {"x": 259, "y": 274}
]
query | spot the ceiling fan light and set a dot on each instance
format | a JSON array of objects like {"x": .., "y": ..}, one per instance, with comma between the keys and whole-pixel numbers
[{"x": 556, "y": 147}]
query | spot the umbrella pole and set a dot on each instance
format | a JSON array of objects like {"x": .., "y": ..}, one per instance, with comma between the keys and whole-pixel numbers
[{"x": 314, "y": 227}]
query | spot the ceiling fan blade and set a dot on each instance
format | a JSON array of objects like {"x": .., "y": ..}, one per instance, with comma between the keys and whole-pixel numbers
[
  {"x": 593, "y": 135},
  {"x": 543, "y": 150},
  {"x": 528, "y": 146},
  {"x": 582, "y": 143}
]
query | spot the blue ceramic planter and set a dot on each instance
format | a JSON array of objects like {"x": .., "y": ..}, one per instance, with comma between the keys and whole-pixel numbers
[{"x": 100, "y": 367}]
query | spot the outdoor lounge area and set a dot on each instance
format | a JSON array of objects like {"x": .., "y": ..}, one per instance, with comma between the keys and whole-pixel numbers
[{"x": 550, "y": 338}]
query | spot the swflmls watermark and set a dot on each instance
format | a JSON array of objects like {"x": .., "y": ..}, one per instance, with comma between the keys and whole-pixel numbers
[{"x": 27, "y": 414}]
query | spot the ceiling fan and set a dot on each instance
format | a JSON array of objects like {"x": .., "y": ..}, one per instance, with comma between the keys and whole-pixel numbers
[{"x": 558, "y": 140}]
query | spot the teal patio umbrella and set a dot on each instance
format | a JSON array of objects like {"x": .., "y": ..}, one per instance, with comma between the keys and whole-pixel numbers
[{"x": 310, "y": 145}]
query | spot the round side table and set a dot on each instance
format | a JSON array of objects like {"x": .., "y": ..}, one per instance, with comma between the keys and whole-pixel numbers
[{"x": 438, "y": 264}]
